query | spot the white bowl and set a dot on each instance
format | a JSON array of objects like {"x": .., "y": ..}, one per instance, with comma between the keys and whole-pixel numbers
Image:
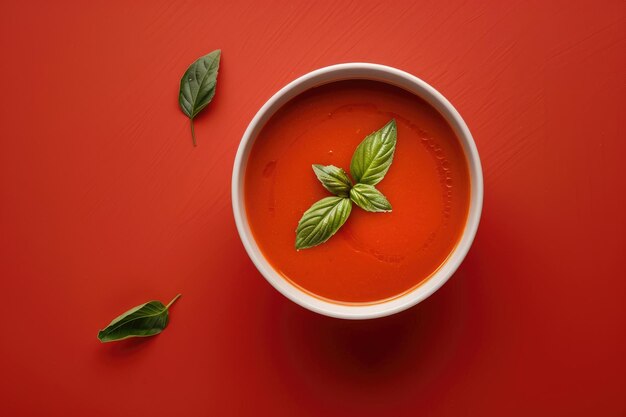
[{"x": 409, "y": 83}]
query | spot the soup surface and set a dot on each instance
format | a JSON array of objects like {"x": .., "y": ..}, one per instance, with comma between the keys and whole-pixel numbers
[{"x": 374, "y": 256}]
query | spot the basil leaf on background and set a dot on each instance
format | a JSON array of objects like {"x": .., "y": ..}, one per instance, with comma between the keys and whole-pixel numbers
[
  {"x": 144, "y": 320},
  {"x": 321, "y": 221},
  {"x": 369, "y": 198},
  {"x": 374, "y": 155},
  {"x": 197, "y": 87},
  {"x": 333, "y": 179}
]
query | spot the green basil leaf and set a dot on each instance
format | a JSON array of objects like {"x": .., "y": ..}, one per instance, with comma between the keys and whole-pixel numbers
[
  {"x": 321, "y": 221},
  {"x": 374, "y": 155},
  {"x": 197, "y": 87},
  {"x": 333, "y": 179},
  {"x": 369, "y": 198},
  {"x": 144, "y": 320}
]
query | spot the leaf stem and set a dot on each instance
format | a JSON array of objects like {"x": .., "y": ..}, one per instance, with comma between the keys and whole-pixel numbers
[
  {"x": 172, "y": 302},
  {"x": 193, "y": 134}
]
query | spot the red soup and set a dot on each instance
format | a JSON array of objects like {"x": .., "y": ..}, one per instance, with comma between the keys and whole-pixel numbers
[{"x": 374, "y": 256}]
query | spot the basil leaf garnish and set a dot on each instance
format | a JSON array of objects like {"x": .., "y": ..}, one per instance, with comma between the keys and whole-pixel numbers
[
  {"x": 144, "y": 320},
  {"x": 369, "y": 198},
  {"x": 197, "y": 87},
  {"x": 321, "y": 221},
  {"x": 370, "y": 162},
  {"x": 374, "y": 155},
  {"x": 333, "y": 179}
]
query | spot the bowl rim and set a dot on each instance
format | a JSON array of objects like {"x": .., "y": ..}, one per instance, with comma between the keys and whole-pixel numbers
[{"x": 389, "y": 75}]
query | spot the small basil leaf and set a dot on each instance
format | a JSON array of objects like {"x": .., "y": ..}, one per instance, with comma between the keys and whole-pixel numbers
[
  {"x": 197, "y": 87},
  {"x": 333, "y": 179},
  {"x": 374, "y": 155},
  {"x": 144, "y": 320},
  {"x": 369, "y": 198},
  {"x": 321, "y": 221}
]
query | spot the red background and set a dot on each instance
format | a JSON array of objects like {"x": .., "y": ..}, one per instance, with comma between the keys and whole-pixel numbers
[{"x": 105, "y": 204}]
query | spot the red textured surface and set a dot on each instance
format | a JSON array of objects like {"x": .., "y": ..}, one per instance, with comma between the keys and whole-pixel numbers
[{"x": 105, "y": 204}]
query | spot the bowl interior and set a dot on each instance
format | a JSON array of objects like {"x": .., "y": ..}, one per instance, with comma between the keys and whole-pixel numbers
[{"x": 390, "y": 76}]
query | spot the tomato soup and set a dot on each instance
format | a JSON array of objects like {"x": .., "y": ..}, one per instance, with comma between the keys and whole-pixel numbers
[{"x": 374, "y": 256}]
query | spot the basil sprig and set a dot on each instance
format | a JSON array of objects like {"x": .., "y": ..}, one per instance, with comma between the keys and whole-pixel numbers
[
  {"x": 197, "y": 87},
  {"x": 370, "y": 162}
]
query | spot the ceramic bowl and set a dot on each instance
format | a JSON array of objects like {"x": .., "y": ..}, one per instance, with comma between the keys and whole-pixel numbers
[{"x": 409, "y": 83}]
